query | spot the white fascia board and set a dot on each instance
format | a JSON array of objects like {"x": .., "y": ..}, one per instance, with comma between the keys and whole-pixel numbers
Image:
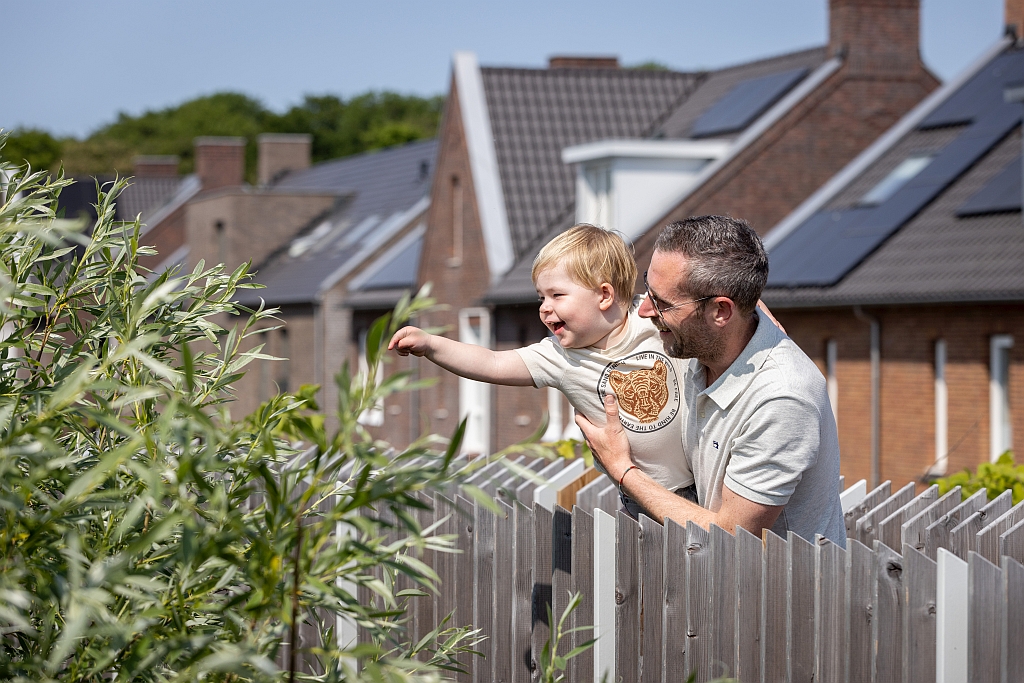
[
  {"x": 385, "y": 231},
  {"x": 875, "y": 150},
  {"x": 646, "y": 149},
  {"x": 385, "y": 258},
  {"x": 483, "y": 164}
]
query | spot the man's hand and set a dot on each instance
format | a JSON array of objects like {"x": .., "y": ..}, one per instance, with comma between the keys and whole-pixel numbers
[
  {"x": 411, "y": 340},
  {"x": 608, "y": 443},
  {"x": 760, "y": 304}
]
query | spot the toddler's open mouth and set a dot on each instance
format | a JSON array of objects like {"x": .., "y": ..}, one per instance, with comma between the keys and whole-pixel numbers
[{"x": 557, "y": 327}]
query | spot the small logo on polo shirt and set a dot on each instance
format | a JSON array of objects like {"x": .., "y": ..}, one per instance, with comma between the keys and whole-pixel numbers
[{"x": 715, "y": 443}]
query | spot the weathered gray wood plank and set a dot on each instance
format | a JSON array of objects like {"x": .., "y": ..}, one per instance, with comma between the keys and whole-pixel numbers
[
  {"x": 937, "y": 535},
  {"x": 867, "y": 526},
  {"x": 748, "y": 606},
  {"x": 581, "y": 667},
  {"x": 504, "y": 609},
  {"x": 444, "y": 601},
  {"x": 919, "y": 622},
  {"x": 523, "y": 615},
  {"x": 964, "y": 538},
  {"x": 914, "y": 531},
  {"x": 541, "y": 585},
  {"x": 464, "y": 595},
  {"x": 561, "y": 569},
  {"x": 723, "y": 601},
  {"x": 674, "y": 609},
  {"x": 829, "y": 611},
  {"x": 774, "y": 584},
  {"x": 423, "y": 606},
  {"x": 800, "y": 613},
  {"x": 698, "y": 602},
  {"x": 1013, "y": 625},
  {"x": 652, "y": 598},
  {"x": 608, "y": 499},
  {"x": 984, "y": 637},
  {"x": 872, "y": 500},
  {"x": 586, "y": 498},
  {"x": 887, "y": 631},
  {"x": 483, "y": 584},
  {"x": 889, "y": 529},
  {"x": 860, "y": 593},
  {"x": 988, "y": 538},
  {"x": 627, "y": 599},
  {"x": 1011, "y": 543}
]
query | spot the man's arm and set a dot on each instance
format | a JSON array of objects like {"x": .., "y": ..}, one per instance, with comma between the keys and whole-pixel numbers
[
  {"x": 611, "y": 448},
  {"x": 465, "y": 360}
]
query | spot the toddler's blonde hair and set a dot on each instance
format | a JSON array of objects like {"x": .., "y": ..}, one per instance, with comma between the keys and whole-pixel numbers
[{"x": 591, "y": 255}]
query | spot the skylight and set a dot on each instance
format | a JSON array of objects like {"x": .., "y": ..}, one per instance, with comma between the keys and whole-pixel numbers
[{"x": 896, "y": 179}]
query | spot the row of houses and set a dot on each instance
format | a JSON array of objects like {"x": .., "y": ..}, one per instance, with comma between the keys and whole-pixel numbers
[{"x": 890, "y": 204}]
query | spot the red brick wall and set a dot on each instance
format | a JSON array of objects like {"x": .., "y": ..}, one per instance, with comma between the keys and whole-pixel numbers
[
  {"x": 166, "y": 237},
  {"x": 908, "y": 337},
  {"x": 220, "y": 161}
]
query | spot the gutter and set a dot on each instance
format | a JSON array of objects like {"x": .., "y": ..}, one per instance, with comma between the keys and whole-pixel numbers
[{"x": 876, "y": 390}]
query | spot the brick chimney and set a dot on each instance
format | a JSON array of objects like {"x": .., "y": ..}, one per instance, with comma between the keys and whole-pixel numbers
[
  {"x": 1014, "y": 10},
  {"x": 280, "y": 153},
  {"x": 220, "y": 161},
  {"x": 154, "y": 166},
  {"x": 576, "y": 62},
  {"x": 876, "y": 36}
]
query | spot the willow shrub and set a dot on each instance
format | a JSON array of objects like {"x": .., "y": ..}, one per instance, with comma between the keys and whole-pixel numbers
[{"x": 144, "y": 535}]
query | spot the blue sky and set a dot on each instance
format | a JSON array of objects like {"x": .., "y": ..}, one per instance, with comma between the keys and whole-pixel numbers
[{"x": 69, "y": 67}]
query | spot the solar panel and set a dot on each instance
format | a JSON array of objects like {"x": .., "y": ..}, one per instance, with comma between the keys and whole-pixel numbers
[
  {"x": 970, "y": 101},
  {"x": 1002, "y": 193},
  {"x": 738, "y": 108},
  {"x": 400, "y": 271},
  {"x": 822, "y": 250}
]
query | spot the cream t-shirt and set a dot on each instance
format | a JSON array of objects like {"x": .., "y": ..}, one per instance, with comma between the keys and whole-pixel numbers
[{"x": 644, "y": 380}]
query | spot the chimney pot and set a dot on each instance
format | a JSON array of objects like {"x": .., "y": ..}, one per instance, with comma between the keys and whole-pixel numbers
[
  {"x": 280, "y": 153},
  {"x": 580, "y": 62},
  {"x": 155, "y": 166},
  {"x": 220, "y": 161}
]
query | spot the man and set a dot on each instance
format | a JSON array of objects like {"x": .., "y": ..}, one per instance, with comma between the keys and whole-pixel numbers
[{"x": 758, "y": 431}]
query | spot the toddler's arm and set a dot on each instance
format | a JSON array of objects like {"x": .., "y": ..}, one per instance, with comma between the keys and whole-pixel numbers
[{"x": 465, "y": 360}]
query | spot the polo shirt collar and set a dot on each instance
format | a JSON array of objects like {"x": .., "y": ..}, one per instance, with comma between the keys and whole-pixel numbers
[{"x": 740, "y": 374}]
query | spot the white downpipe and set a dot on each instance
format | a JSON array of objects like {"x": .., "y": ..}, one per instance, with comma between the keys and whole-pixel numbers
[{"x": 475, "y": 397}]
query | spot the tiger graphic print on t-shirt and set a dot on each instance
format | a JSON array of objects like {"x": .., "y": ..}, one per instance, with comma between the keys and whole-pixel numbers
[{"x": 641, "y": 393}]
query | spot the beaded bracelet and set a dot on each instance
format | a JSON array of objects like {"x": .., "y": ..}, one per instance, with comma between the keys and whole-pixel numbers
[{"x": 631, "y": 467}]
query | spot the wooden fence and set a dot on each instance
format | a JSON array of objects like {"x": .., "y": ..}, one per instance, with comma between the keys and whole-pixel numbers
[{"x": 929, "y": 588}]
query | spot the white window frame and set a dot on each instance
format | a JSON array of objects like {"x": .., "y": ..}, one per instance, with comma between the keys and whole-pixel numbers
[
  {"x": 941, "y": 465},
  {"x": 1000, "y": 418},
  {"x": 831, "y": 381},
  {"x": 475, "y": 397}
]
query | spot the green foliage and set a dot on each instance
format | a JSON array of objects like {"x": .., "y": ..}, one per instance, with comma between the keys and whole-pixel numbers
[
  {"x": 552, "y": 664},
  {"x": 339, "y": 128},
  {"x": 146, "y": 536},
  {"x": 996, "y": 477},
  {"x": 651, "y": 66},
  {"x": 570, "y": 449}
]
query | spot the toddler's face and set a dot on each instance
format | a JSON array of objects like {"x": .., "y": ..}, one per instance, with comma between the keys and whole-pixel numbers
[{"x": 570, "y": 310}]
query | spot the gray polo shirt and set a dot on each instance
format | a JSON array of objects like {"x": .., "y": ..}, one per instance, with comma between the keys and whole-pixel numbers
[{"x": 765, "y": 429}]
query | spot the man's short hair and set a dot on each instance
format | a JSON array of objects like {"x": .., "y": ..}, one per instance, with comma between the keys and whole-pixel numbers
[
  {"x": 726, "y": 257},
  {"x": 591, "y": 255}
]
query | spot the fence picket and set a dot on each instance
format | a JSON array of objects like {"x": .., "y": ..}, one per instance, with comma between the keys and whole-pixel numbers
[
  {"x": 988, "y": 538},
  {"x": 853, "y": 496},
  {"x": 937, "y": 535},
  {"x": 1013, "y": 624},
  {"x": 581, "y": 667},
  {"x": 483, "y": 581},
  {"x": 463, "y": 575},
  {"x": 887, "y": 624},
  {"x": 870, "y": 501},
  {"x": 444, "y": 562},
  {"x": 829, "y": 610},
  {"x": 951, "y": 618},
  {"x": 503, "y": 610},
  {"x": 723, "y": 601},
  {"x": 919, "y": 576},
  {"x": 627, "y": 599},
  {"x": 748, "y": 606},
  {"x": 523, "y": 614},
  {"x": 604, "y": 595},
  {"x": 860, "y": 576},
  {"x": 775, "y": 641},
  {"x": 1011, "y": 543},
  {"x": 698, "y": 602},
  {"x": 984, "y": 644},
  {"x": 867, "y": 526},
  {"x": 889, "y": 528},
  {"x": 587, "y": 496},
  {"x": 674, "y": 614},
  {"x": 964, "y": 538},
  {"x": 561, "y": 568},
  {"x": 914, "y": 528},
  {"x": 608, "y": 499},
  {"x": 652, "y": 598},
  {"x": 800, "y": 612},
  {"x": 541, "y": 583}
]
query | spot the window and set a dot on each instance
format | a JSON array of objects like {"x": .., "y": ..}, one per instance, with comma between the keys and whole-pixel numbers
[
  {"x": 457, "y": 229},
  {"x": 475, "y": 397},
  {"x": 1000, "y": 429},
  {"x": 896, "y": 179},
  {"x": 831, "y": 359},
  {"x": 941, "y": 408}
]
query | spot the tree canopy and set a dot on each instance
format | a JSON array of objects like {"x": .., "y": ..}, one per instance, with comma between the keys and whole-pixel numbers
[{"x": 339, "y": 128}]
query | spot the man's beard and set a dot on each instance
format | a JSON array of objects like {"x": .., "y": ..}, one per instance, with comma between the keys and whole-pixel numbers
[{"x": 692, "y": 340}]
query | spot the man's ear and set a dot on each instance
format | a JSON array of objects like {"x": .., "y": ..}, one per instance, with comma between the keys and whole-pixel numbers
[
  {"x": 607, "y": 293},
  {"x": 721, "y": 311}
]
